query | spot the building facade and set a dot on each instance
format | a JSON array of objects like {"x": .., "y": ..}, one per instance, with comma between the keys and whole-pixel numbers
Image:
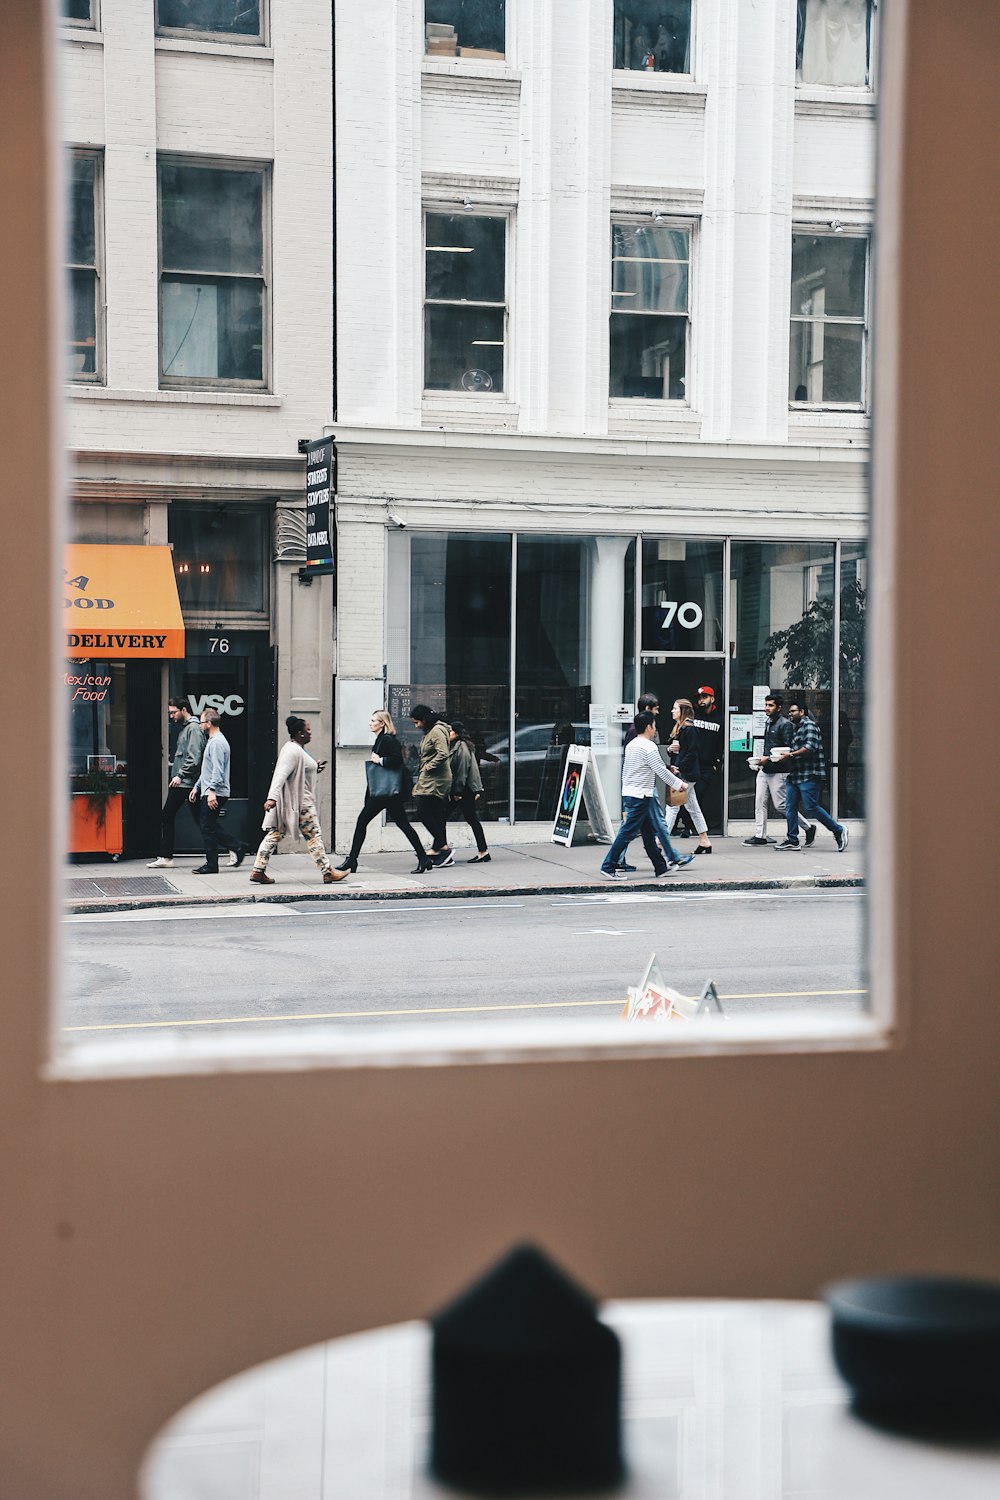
[
  {"x": 199, "y": 166},
  {"x": 602, "y": 374}
]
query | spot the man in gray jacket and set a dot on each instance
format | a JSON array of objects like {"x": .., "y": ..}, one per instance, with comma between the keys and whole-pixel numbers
[{"x": 184, "y": 771}]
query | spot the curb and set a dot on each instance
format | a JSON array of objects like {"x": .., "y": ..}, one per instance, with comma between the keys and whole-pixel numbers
[{"x": 452, "y": 893}]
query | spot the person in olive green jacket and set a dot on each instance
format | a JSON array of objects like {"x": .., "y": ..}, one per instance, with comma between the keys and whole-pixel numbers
[{"x": 432, "y": 786}]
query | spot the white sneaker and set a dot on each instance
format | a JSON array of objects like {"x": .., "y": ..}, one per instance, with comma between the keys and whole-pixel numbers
[
  {"x": 234, "y": 858},
  {"x": 160, "y": 864},
  {"x": 617, "y": 874}
]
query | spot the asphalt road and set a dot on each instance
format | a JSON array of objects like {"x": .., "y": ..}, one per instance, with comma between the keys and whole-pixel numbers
[{"x": 256, "y": 965}]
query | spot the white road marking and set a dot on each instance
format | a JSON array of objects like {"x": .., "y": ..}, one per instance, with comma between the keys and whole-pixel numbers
[
  {"x": 184, "y": 913},
  {"x": 608, "y": 931}
]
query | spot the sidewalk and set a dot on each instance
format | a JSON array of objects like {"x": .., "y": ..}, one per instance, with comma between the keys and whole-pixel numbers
[{"x": 515, "y": 870}]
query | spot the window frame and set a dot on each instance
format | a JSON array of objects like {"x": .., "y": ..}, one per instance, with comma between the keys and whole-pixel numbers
[
  {"x": 94, "y": 24},
  {"x": 481, "y": 211},
  {"x": 459, "y": 62},
  {"x": 825, "y": 230},
  {"x": 847, "y": 91},
  {"x": 626, "y": 77},
  {"x": 188, "y": 34},
  {"x": 99, "y": 374},
  {"x": 653, "y": 404},
  {"x": 207, "y": 382}
]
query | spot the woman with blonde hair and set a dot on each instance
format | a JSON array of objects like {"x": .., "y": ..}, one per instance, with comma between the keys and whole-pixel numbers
[
  {"x": 385, "y": 774},
  {"x": 683, "y": 749}
]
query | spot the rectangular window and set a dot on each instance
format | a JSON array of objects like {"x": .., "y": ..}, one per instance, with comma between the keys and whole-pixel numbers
[
  {"x": 465, "y": 28},
  {"x": 220, "y": 558},
  {"x": 649, "y": 311},
  {"x": 465, "y": 303},
  {"x": 828, "y": 343},
  {"x": 83, "y": 266},
  {"x": 833, "y": 43},
  {"x": 653, "y": 36},
  {"x": 81, "y": 12},
  {"x": 240, "y": 20},
  {"x": 213, "y": 281}
]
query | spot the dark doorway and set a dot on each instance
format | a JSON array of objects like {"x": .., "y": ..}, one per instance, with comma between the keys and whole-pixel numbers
[{"x": 672, "y": 677}]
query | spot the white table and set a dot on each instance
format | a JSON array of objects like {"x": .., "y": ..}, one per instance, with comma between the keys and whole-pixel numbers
[{"x": 722, "y": 1401}]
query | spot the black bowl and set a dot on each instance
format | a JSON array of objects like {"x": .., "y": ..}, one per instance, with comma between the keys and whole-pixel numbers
[{"x": 920, "y": 1352}]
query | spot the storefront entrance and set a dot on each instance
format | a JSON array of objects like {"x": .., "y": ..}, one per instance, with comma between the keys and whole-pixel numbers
[
  {"x": 673, "y": 677},
  {"x": 232, "y": 672}
]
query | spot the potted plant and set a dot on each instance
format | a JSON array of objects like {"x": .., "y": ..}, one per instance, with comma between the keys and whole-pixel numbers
[{"x": 96, "y": 813}]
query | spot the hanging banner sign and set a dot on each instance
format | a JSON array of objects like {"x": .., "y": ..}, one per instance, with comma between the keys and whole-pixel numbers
[{"x": 321, "y": 486}]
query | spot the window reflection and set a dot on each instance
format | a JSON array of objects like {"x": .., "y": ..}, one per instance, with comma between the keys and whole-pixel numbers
[{"x": 465, "y": 28}]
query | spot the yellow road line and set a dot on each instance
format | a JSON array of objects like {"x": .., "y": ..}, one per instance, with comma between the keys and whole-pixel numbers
[{"x": 431, "y": 1010}]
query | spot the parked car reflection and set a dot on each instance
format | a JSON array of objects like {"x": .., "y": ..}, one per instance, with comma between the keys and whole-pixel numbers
[{"x": 539, "y": 754}]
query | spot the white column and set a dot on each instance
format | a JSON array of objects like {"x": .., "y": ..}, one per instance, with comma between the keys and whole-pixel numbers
[{"x": 607, "y": 651}]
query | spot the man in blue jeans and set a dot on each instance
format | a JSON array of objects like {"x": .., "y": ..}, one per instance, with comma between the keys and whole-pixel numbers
[
  {"x": 642, "y": 765},
  {"x": 806, "y": 770}
]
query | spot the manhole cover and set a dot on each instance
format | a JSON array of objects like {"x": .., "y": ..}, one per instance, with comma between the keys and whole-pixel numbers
[{"x": 122, "y": 885}]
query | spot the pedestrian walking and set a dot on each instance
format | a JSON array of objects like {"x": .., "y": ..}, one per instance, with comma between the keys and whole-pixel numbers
[
  {"x": 642, "y": 767},
  {"x": 684, "y": 747},
  {"x": 806, "y": 770},
  {"x": 291, "y": 804},
  {"x": 211, "y": 793},
  {"x": 467, "y": 787},
  {"x": 387, "y": 781},
  {"x": 432, "y": 787},
  {"x": 771, "y": 775},
  {"x": 184, "y": 771},
  {"x": 648, "y": 703}
]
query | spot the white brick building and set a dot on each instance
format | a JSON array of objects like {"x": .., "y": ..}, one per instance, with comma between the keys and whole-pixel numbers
[
  {"x": 602, "y": 402},
  {"x": 201, "y": 312}
]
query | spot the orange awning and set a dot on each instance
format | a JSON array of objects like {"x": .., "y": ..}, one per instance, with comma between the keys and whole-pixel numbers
[{"x": 121, "y": 603}]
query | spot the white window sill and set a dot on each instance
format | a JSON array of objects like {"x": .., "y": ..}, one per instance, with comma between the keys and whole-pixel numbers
[
  {"x": 471, "y": 67},
  {"x": 851, "y": 103},
  {"x": 642, "y": 417},
  {"x": 87, "y": 34},
  {"x": 310, "y": 1048},
  {"x": 458, "y": 409},
  {"x": 817, "y": 426},
  {"x": 183, "y": 398},
  {"x": 256, "y": 50},
  {"x": 680, "y": 88}
]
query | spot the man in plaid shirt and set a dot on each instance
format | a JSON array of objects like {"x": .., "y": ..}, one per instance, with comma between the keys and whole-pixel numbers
[{"x": 806, "y": 769}]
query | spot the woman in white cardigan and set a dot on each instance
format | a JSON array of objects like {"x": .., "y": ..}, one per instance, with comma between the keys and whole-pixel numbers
[{"x": 291, "y": 804}]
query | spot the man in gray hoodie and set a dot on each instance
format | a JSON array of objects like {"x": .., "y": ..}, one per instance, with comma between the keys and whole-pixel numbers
[{"x": 184, "y": 771}]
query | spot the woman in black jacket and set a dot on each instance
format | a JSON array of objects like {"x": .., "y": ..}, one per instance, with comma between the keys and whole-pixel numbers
[
  {"x": 388, "y": 753},
  {"x": 683, "y": 750}
]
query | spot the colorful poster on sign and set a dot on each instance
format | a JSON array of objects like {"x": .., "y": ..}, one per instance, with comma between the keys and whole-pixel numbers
[{"x": 570, "y": 795}]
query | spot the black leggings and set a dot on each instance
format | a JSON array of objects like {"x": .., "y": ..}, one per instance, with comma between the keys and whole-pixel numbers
[
  {"x": 467, "y": 805},
  {"x": 433, "y": 813},
  {"x": 396, "y": 810}
]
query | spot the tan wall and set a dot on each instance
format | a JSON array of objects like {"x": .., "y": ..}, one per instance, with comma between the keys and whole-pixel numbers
[{"x": 160, "y": 1235}]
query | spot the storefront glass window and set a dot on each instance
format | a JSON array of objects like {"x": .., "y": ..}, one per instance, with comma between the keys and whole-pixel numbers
[
  {"x": 653, "y": 36},
  {"x": 853, "y": 606},
  {"x": 465, "y": 28},
  {"x": 783, "y": 618},
  {"x": 448, "y": 645},
  {"x": 220, "y": 558},
  {"x": 681, "y": 595}
]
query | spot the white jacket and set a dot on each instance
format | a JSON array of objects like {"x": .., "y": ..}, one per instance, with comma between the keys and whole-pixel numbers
[{"x": 292, "y": 789}]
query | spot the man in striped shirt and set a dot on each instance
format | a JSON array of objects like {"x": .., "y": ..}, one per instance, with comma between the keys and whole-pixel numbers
[
  {"x": 642, "y": 766},
  {"x": 806, "y": 770}
]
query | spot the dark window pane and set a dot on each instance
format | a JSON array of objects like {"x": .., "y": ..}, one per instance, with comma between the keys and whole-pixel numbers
[
  {"x": 649, "y": 268},
  {"x": 833, "y": 43},
  {"x": 853, "y": 606},
  {"x": 82, "y": 350},
  {"x": 465, "y": 258},
  {"x": 681, "y": 595},
  {"x": 463, "y": 348},
  {"x": 230, "y": 17},
  {"x": 653, "y": 35},
  {"x": 828, "y": 276},
  {"x": 648, "y": 356},
  {"x": 82, "y": 172},
  {"x": 826, "y": 363},
  {"x": 456, "y": 28},
  {"x": 211, "y": 219},
  {"x": 212, "y": 329},
  {"x": 219, "y": 553},
  {"x": 76, "y": 10}
]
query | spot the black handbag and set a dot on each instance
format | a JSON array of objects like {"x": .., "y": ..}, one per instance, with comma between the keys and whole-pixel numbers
[{"x": 381, "y": 781}]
